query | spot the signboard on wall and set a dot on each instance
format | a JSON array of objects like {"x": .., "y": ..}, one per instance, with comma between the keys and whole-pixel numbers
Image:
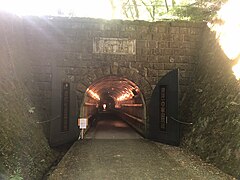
[
  {"x": 163, "y": 108},
  {"x": 65, "y": 106},
  {"x": 114, "y": 46}
]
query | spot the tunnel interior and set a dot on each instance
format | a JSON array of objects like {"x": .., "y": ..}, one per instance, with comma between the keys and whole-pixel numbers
[{"x": 114, "y": 97}]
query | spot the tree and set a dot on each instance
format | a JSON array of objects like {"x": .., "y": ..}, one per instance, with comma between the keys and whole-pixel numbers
[{"x": 158, "y": 9}]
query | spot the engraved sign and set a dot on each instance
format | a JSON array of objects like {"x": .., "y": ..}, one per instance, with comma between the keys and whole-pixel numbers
[
  {"x": 163, "y": 107},
  {"x": 114, "y": 46},
  {"x": 65, "y": 106}
]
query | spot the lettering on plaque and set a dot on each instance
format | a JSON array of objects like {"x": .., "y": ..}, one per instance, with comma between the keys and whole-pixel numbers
[
  {"x": 114, "y": 46},
  {"x": 65, "y": 106},
  {"x": 163, "y": 107}
]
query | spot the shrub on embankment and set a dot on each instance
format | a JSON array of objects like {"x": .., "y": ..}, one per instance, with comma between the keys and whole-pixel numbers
[{"x": 213, "y": 104}]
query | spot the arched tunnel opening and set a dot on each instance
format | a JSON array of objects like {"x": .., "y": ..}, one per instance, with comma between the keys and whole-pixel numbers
[{"x": 114, "y": 107}]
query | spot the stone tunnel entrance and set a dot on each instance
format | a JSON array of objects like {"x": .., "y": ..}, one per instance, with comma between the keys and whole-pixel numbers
[
  {"x": 154, "y": 118},
  {"x": 80, "y": 52},
  {"x": 111, "y": 99}
]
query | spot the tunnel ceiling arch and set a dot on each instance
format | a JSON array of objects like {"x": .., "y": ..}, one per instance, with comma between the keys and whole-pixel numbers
[{"x": 116, "y": 87}]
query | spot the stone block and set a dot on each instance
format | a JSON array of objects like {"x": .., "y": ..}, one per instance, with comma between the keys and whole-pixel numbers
[
  {"x": 169, "y": 66},
  {"x": 184, "y": 30},
  {"x": 141, "y": 44},
  {"x": 137, "y": 65},
  {"x": 152, "y": 73},
  {"x": 183, "y": 66},
  {"x": 158, "y": 66},
  {"x": 131, "y": 28},
  {"x": 191, "y": 52},
  {"x": 185, "y": 74},
  {"x": 176, "y": 37},
  {"x": 138, "y": 51},
  {"x": 158, "y": 52},
  {"x": 152, "y": 58},
  {"x": 162, "y": 73},
  {"x": 114, "y": 68},
  {"x": 166, "y": 37},
  {"x": 174, "y": 30},
  {"x": 174, "y": 44},
  {"x": 195, "y": 30},
  {"x": 162, "y": 29},
  {"x": 187, "y": 37},
  {"x": 179, "y": 52},
  {"x": 184, "y": 59},
  {"x": 174, "y": 59},
  {"x": 162, "y": 44},
  {"x": 152, "y": 44},
  {"x": 183, "y": 45},
  {"x": 122, "y": 71},
  {"x": 141, "y": 58},
  {"x": 168, "y": 51},
  {"x": 163, "y": 59}
]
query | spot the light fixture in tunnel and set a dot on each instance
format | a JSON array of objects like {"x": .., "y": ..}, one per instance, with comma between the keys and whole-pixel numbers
[
  {"x": 104, "y": 106},
  {"x": 93, "y": 94},
  {"x": 119, "y": 89},
  {"x": 125, "y": 96},
  {"x": 134, "y": 92}
]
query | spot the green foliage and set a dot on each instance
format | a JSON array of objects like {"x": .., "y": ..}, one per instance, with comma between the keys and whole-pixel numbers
[
  {"x": 195, "y": 10},
  {"x": 192, "y": 13},
  {"x": 16, "y": 175},
  {"x": 201, "y": 10}
]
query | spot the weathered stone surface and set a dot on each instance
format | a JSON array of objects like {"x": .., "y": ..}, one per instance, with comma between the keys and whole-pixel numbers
[{"x": 155, "y": 42}]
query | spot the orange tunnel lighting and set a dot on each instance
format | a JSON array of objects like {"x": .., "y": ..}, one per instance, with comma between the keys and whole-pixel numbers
[
  {"x": 125, "y": 96},
  {"x": 93, "y": 94}
]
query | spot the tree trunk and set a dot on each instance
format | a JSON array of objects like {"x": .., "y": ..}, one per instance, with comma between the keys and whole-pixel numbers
[
  {"x": 173, "y": 3},
  {"x": 166, "y": 5},
  {"x": 113, "y": 8},
  {"x": 148, "y": 9},
  {"x": 136, "y": 8}
]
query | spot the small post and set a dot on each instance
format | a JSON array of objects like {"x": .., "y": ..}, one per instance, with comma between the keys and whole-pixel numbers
[{"x": 82, "y": 132}]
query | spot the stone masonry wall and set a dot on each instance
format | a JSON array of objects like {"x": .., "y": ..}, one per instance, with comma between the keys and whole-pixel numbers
[
  {"x": 68, "y": 44},
  {"x": 212, "y": 103}
]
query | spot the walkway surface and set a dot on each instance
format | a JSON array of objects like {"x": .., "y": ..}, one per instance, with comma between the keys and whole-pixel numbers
[
  {"x": 114, "y": 151},
  {"x": 108, "y": 128}
]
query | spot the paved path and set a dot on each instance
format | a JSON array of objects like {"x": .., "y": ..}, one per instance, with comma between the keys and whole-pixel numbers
[
  {"x": 132, "y": 157},
  {"x": 112, "y": 129}
]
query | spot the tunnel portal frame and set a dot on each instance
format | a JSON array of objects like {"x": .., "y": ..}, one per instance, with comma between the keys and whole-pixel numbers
[
  {"x": 75, "y": 91},
  {"x": 76, "y": 95}
]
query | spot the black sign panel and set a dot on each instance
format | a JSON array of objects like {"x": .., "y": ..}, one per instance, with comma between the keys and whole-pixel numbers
[
  {"x": 164, "y": 104},
  {"x": 163, "y": 107},
  {"x": 64, "y": 110},
  {"x": 65, "y": 106}
]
